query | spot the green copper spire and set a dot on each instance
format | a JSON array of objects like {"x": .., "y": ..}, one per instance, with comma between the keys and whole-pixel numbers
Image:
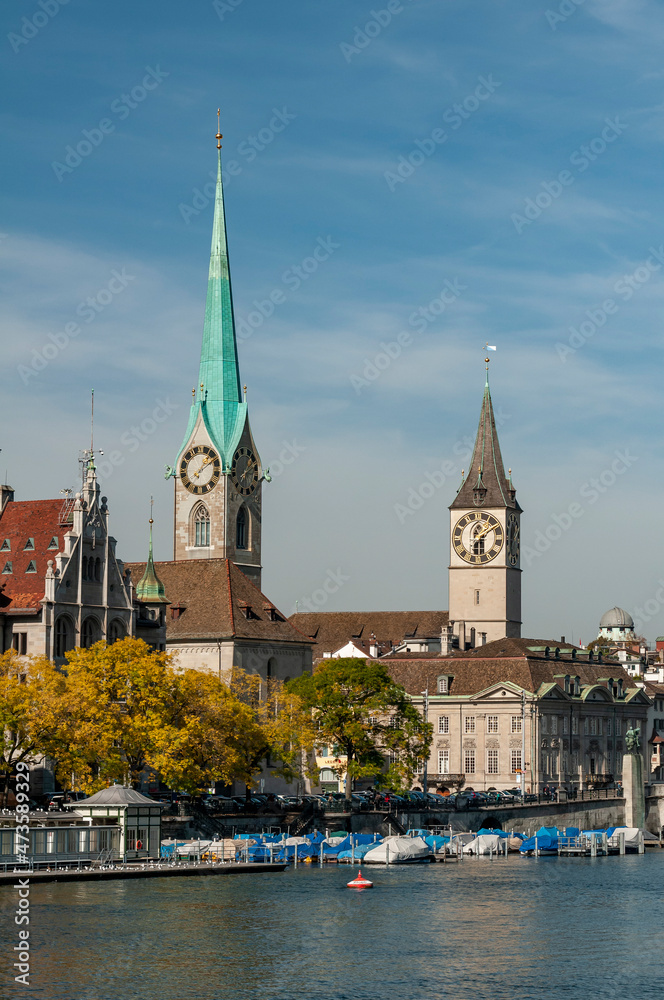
[
  {"x": 150, "y": 589},
  {"x": 219, "y": 401}
]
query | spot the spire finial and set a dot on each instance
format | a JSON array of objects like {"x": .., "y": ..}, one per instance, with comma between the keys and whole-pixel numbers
[
  {"x": 245, "y": 391},
  {"x": 219, "y": 136}
]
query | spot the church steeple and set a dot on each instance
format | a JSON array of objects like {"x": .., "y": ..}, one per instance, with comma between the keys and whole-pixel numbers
[
  {"x": 486, "y": 484},
  {"x": 218, "y": 472},
  {"x": 219, "y": 400},
  {"x": 150, "y": 589}
]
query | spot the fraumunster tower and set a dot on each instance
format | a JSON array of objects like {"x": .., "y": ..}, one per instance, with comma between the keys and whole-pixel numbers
[
  {"x": 218, "y": 472},
  {"x": 484, "y": 573}
]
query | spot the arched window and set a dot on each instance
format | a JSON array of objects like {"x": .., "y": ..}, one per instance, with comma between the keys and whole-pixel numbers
[
  {"x": 64, "y": 633},
  {"x": 116, "y": 630},
  {"x": 478, "y": 543},
  {"x": 242, "y": 529},
  {"x": 97, "y": 569},
  {"x": 201, "y": 520},
  {"x": 84, "y": 567},
  {"x": 90, "y": 633}
]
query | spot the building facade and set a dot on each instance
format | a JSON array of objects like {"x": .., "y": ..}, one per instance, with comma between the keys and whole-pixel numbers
[
  {"x": 61, "y": 583},
  {"x": 524, "y": 712}
]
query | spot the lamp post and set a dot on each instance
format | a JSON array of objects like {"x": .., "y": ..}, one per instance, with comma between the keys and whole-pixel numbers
[{"x": 426, "y": 759}]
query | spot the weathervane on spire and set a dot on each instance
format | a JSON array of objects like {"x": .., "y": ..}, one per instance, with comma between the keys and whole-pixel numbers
[{"x": 219, "y": 136}]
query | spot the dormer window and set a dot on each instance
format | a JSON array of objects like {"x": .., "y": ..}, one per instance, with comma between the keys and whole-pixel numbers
[
  {"x": 176, "y": 610},
  {"x": 6, "y": 546},
  {"x": 7, "y": 568},
  {"x": 479, "y": 496},
  {"x": 53, "y": 544},
  {"x": 32, "y": 567},
  {"x": 577, "y": 686},
  {"x": 443, "y": 685},
  {"x": 566, "y": 683},
  {"x": 29, "y": 545}
]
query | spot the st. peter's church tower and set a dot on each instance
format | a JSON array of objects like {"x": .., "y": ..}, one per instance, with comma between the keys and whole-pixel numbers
[{"x": 484, "y": 573}]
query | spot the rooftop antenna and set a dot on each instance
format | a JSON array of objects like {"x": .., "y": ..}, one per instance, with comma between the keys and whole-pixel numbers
[{"x": 92, "y": 423}]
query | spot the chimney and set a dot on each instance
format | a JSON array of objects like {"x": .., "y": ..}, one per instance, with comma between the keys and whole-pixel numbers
[
  {"x": 562, "y": 638},
  {"x": 373, "y": 646},
  {"x": 446, "y": 640},
  {"x": 6, "y": 496}
]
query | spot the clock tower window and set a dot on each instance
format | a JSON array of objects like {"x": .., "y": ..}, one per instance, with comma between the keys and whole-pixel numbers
[
  {"x": 242, "y": 529},
  {"x": 478, "y": 540},
  {"x": 201, "y": 524}
]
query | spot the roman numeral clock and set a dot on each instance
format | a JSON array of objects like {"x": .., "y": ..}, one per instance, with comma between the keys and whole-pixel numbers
[
  {"x": 200, "y": 469},
  {"x": 478, "y": 537}
]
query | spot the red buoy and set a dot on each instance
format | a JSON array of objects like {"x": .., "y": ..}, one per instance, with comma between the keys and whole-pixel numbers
[{"x": 360, "y": 882}]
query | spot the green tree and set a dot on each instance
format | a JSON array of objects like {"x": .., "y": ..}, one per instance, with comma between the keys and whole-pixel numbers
[
  {"x": 359, "y": 708},
  {"x": 31, "y": 711}
]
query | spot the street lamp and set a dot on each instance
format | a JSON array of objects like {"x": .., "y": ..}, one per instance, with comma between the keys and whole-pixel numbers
[{"x": 426, "y": 759}]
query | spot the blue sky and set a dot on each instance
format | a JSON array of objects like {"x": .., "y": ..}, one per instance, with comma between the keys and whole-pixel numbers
[{"x": 536, "y": 203}]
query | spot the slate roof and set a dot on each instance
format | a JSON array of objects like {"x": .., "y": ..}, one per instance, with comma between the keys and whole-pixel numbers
[
  {"x": 520, "y": 661},
  {"x": 115, "y": 795},
  {"x": 41, "y": 520},
  {"x": 486, "y": 470},
  {"x": 333, "y": 629},
  {"x": 214, "y": 596}
]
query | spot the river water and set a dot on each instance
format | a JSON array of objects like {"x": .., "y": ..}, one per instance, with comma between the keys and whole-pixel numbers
[{"x": 514, "y": 928}]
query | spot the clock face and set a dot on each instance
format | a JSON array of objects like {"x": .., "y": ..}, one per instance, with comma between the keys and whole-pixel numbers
[
  {"x": 478, "y": 537},
  {"x": 513, "y": 540},
  {"x": 244, "y": 471},
  {"x": 200, "y": 469}
]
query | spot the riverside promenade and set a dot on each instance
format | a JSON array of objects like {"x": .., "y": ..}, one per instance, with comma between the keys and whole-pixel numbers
[{"x": 72, "y": 873}]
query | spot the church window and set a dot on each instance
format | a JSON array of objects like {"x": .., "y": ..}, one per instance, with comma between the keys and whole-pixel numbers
[
  {"x": 469, "y": 762},
  {"x": 32, "y": 567},
  {"x": 84, "y": 567},
  {"x": 63, "y": 636},
  {"x": 7, "y": 568},
  {"x": 470, "y": 724},
  {"x": 90, "y": 633},
  {"x": 53, "y": 544},
  {"x": 478, "y": 543},
  {"x": 29, "y": 545},
  {"x": 492, "y": 762},
  {"x": 97, "y": 569},
  {"x": 242, "y": 529},
  {"x": 6, "y": 546},
  {"x": 443, "y": 724},
  {"x": 201, "y": 526},
  {"x": 20, "y": 643},
  {"x": 116, "y": 630}
]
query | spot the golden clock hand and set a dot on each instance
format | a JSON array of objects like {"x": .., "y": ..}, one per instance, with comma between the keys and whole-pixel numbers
[
  {"x": 205, "y": 462},
  {"x": 481, "y": 534}
]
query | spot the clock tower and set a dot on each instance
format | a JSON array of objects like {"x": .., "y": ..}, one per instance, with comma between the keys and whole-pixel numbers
[
  {"x": 484, "y": 572},
  {"x": 218, "y": 472}
]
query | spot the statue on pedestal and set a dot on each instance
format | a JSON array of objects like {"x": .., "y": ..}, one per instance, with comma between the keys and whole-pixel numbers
[{"x": 633, "y": 741}]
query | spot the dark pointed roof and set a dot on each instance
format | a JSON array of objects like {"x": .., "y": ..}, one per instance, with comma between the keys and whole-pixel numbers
[{"x": 486, "y": 484}]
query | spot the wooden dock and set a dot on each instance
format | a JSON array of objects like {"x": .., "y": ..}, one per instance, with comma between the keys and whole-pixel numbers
[{"x": 156, "y": 870}]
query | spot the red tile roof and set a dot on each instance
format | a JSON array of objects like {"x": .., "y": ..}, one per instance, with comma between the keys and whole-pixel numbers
[
  {"x": 333, "y": 629},
  {"x": 218, "y": 601},
  {"x": 19, "y": 521}
]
